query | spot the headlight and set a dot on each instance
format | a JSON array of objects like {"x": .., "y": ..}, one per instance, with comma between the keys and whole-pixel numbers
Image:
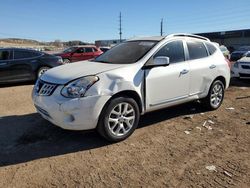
[
  {"x": 78, "y": 88},
  {"x": 236, "y": 65}
]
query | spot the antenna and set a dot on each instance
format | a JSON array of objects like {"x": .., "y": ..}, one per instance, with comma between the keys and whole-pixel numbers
[{"x": 120, "y": 26}]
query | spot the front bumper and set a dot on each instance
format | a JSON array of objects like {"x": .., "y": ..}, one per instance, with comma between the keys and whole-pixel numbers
[
  {"x": 240, "y": 72},
  {"x": 72, "y": 114}
]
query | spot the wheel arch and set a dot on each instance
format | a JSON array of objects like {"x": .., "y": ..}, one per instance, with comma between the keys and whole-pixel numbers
[
  {"x": 222, "y": 79},
  {"x": 131, "y": 94}
]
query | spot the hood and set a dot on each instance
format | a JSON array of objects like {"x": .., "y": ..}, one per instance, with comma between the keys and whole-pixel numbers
[
  {"x": 65, "y": 73},
  {"x": 244, "y": 60}
]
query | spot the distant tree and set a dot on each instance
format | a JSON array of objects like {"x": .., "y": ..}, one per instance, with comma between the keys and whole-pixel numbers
[{"x": 58, "y": 43}]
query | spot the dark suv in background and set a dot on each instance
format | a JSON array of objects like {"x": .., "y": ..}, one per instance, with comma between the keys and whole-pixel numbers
[
  {"x": 241, "y": 52},
  {"x": 79, "y": 53},
  {"x": 17, "y": 65}
]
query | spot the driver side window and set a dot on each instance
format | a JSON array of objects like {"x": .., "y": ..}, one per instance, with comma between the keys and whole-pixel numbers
[{"x": 174, "y": 50}]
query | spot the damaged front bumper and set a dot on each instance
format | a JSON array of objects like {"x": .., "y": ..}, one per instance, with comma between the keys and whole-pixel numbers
[{"x": 72, "y": 114}]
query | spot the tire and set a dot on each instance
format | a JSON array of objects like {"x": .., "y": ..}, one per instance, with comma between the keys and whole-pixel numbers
[
  {"x": 66, "y": 61},
  {"x": 119, "y": 119},
  {"x": 215, "y": 95},
  {"x": 42, "y": 70}
]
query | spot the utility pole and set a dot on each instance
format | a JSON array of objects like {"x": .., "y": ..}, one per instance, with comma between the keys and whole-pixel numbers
[
  {"x": 161, "y": 26},
  {"x": 120, "y": 26}
]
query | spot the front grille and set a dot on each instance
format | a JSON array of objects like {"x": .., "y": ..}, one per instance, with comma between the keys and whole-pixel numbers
[
  {"x": 245, "y": 66},
  {"x": 244, "y": 75},
  {"x": 44, "y": 88},
  {"x": 42, "y": 111}
]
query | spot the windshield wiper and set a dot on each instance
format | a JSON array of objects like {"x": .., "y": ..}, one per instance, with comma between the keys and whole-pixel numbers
[{"x": 101, "y": 61}]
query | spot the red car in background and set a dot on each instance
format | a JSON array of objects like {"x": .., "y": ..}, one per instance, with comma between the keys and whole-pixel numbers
[{"x": 79, "y": 53}]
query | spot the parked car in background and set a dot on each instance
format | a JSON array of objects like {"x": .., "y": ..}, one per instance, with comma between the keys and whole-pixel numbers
[
  {"x": 18, "y": 65},
  {"x": 225, "y": 51},
  {"x": 132, "y": 78},
  {"x": 236, "y": 55},
  {"x": 104, "y": 48},
  {"x": 79, "y": 53},
  {"x": 241, "y": 69}
]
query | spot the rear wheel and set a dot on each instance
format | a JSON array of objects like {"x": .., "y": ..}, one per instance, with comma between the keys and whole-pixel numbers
[
  {"x": 119, "y": 119},
  {"x": 215, "y": 96}
]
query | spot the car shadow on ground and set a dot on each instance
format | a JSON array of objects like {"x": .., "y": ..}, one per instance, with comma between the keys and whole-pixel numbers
[
  {"x": 17, "y": 84},
  {"x": 240, "y": 82},
  {"x": 28, "y": 137}
]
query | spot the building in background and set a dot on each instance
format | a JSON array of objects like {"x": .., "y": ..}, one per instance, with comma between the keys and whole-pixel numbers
[
  {"x": 109, "y": 43},
  {"x": 232, "y": 39}
]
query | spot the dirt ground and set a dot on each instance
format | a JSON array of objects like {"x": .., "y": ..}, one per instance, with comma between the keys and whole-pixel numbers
[{"x": 34, "y": 153}]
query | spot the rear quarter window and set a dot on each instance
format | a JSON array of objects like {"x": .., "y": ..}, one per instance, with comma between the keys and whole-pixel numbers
[
  {"x": 211, "y": 48},
  {"x": 196, "y": 50}
]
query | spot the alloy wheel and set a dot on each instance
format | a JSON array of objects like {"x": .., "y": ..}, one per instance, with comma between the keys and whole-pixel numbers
[{"x": 121, "y": 119}]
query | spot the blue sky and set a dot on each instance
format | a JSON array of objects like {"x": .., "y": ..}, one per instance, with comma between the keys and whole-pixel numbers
[{"x": 47, "y": 20}]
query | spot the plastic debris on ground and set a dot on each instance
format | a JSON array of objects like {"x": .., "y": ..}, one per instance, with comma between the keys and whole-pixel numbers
[
  {"x": 228, "y": 174},
  {"x": 188, "y": 117},
  {"x": 198, "y": 128},
  {"x": 230, "y": 108},
  {"x": 186, "y": 132},
  {"x": 207, "y": 126},
  {"x": 210, "y": 121},
  {"x": 211, "y": 168}
]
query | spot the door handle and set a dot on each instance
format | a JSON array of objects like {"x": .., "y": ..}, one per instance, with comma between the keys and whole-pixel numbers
[
  {"x": 184, "y": 71},
  {"x": 2, "y": 64},
  {"x": 212, "y": 66}
]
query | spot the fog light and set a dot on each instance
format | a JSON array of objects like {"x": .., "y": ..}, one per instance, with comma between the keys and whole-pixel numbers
[{"x": 69, "y": 118}]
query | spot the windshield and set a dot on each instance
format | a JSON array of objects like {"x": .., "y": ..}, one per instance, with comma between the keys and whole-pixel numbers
[
  {"x": 127, "y": 52},
  {"x": 70, "y": 49}
]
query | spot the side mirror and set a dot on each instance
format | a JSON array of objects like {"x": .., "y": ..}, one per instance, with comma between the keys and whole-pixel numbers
[{"x": 161, "y": 61}]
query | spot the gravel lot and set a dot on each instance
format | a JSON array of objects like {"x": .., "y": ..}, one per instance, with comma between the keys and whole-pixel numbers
[{"x": 34, "y": 153}]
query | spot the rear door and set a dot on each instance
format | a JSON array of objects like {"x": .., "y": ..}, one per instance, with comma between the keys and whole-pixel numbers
[
  {"x": 23, "y": 65},
  {"x": 202, "y": 66},
  {"x": 5, "y": 68},
  {"x": 78, "y": 55},
  {"x": 89, "y": 53},
  {"x": 168, "y": 84}
]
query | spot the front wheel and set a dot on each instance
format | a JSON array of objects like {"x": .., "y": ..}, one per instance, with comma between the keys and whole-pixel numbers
[
  {"x": 215, "y": 96},
  {"x": 41, "y": 71},
  {"x": 119, "y": 119}
]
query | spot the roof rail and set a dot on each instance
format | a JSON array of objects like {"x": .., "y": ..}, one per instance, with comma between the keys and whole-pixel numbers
[{"x": 188, "y": 35}]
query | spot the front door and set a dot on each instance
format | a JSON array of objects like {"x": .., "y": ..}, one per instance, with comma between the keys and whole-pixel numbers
[{"x": 168, "y": 84}]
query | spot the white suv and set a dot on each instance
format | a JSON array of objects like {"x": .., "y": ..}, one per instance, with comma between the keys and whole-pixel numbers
[{"x": 133, "y": 78}]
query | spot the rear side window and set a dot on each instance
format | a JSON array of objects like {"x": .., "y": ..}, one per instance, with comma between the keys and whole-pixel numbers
[
  {"x": 87, "y": 50},
  {"x": 211, "y": 48},
  {"x": 4, "y": 55},
  {"x": 79, "y": 50},
  {"x": 196, "y": 50},
  {"x": 21, "y": 54},
  {"x": 174, "y": 50}
]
